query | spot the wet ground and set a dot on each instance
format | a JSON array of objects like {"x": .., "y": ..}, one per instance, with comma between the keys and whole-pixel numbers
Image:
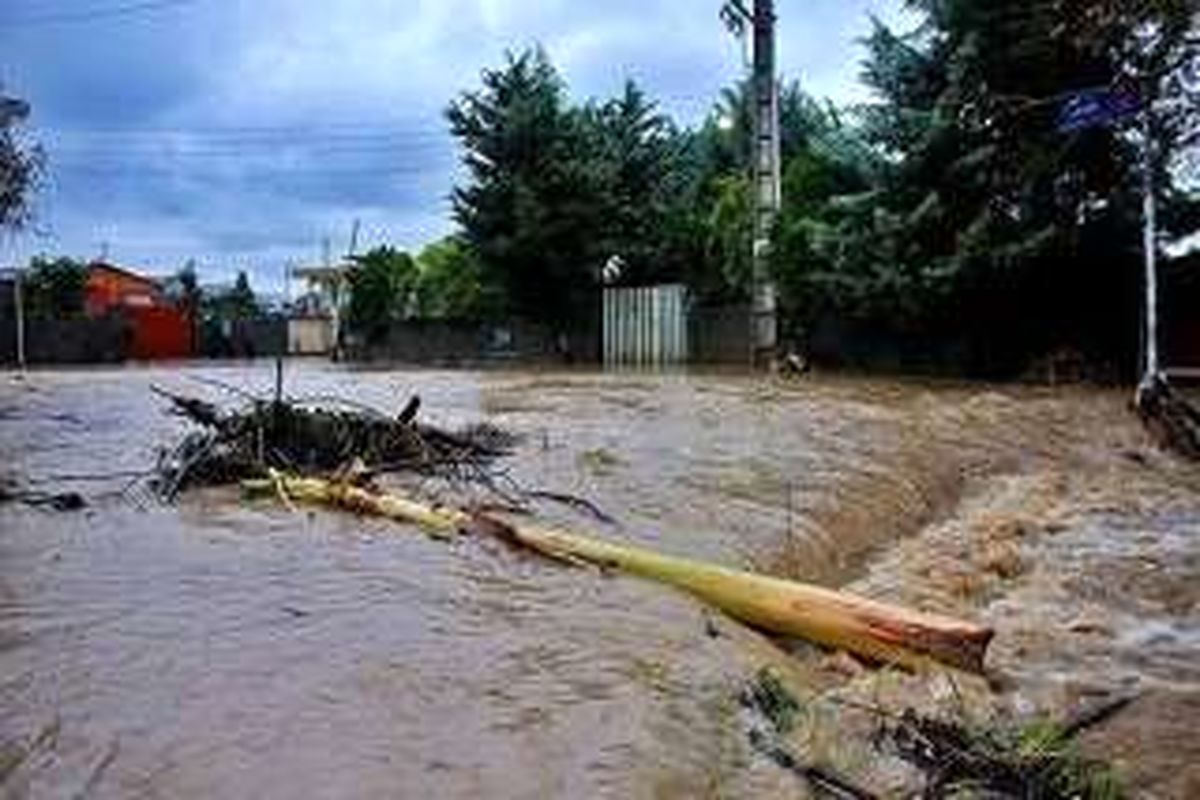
[{"x": 231, "y": 650}]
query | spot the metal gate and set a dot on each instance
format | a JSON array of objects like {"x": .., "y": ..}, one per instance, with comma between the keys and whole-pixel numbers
[{"x": 645, "y": 325}]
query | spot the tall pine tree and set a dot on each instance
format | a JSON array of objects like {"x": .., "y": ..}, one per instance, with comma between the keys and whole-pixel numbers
[{"x": 529, "y": 207}]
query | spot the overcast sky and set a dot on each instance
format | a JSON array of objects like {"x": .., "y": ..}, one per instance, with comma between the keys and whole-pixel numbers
[{"x": 242, "y": 133}]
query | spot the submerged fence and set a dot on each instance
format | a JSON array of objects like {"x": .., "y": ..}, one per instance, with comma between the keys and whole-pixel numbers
[{"x": 646, "y": 325}]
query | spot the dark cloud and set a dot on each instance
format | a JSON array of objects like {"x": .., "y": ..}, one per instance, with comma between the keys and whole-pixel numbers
[
  {"x": 244, "y": 133},
  {"x": 98, "y": 73}
]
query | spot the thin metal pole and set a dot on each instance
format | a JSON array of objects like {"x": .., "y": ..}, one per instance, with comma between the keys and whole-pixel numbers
[
  {"x": 19, "y": 304},
  {"x": 1150, "y": 244},
  {"x": 278, "y": 380}
]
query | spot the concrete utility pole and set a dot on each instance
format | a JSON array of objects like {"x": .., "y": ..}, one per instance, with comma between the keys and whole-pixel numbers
[
  {"x": 766, "y": 171},
  {"x": 766, "y": 180}
]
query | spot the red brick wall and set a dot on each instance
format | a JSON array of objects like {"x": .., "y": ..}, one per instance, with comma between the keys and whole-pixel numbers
[
  {"x": 157, "y": 328},
  {"x": 159, "y": 332}
]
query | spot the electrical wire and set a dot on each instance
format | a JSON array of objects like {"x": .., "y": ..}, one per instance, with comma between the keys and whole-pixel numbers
[
  {"x": 278, "y": 155},
  {"x": 282, "y": 178},
  {"x": 92, "y": 14},
  {"x": 186, "y": 137}
]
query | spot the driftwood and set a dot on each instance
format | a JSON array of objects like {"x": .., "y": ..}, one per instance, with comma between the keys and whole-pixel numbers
[
  {"x": 1171, "y": 419},
  {"x": 874, "y": 630}
]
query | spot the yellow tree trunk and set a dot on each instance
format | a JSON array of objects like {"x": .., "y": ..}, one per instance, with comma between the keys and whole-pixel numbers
[{"x": 874, "y": 630}]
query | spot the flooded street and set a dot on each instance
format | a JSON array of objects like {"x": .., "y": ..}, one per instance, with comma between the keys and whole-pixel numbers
[{"x": 229, "y": 649}]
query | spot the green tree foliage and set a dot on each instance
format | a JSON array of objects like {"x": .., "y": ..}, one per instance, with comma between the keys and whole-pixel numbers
[
  {"x": 951, "y": 209},
  {"x": 237, "y": 302},
  {"x": 555, "y": 191},
  {"x": 821, "y": 156},
  {"x": 20, "y": 164},
  {"x": 729, "y": 233},
  {"x": 452, "y": 283},
  {"x": 988, "y": 224},
  {"x": 636, "y": 159},
  {"x": 184, "y": 288},
  {"x": 382, "y": 288},
  {"x": 529, "y": 208},
  {"x": 53, "y": 288},
  {"x": 242, "y": 302}
]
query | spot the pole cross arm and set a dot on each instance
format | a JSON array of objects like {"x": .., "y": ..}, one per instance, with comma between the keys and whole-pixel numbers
[{"x": 735, "y": 15}]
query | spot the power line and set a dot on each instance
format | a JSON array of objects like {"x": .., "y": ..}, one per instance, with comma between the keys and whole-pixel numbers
[
  {"x": 92, "y": 14},
  {"x": 347, "y": 131},
  {"x": 186, "y": 138},
  {"x": 277, "y": 152},
  {"x": 250, "y": 149},
  {"x": 283, "y": 172}
]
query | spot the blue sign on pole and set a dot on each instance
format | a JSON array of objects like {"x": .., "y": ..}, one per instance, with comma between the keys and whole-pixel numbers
[{"x": 1093, "y": 108}]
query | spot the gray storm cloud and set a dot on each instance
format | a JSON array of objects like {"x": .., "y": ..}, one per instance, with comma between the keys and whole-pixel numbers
[{"x": 244, "y": 133}]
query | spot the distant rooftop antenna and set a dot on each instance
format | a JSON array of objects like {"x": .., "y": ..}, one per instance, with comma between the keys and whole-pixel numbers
[{"x": 354, "y": 237}]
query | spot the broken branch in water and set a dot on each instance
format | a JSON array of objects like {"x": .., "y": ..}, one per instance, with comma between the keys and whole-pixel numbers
[
  {"x": 572, "y": 501},
  {"x": 287, "y": 435}
]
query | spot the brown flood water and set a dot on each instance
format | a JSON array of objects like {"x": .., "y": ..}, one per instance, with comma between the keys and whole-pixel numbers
[{"x": 218, "y": 649}]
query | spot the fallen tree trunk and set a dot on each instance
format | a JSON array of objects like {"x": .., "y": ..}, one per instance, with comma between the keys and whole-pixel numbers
[{"x": 874, "y": 630}]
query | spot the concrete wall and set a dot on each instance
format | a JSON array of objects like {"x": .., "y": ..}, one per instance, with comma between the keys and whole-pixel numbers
[
  {"x": 836, "y": 342},
  {"x": 451, "y": 342},
  {"x": 719, "y": 334},
  {"x": 310, "y": 336},
  {"x": 65, "y": 341},
  {"x": 243, "y": 338}
]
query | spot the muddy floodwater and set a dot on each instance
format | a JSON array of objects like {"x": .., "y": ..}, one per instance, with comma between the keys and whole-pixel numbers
[{"x": 219, "y": 648}]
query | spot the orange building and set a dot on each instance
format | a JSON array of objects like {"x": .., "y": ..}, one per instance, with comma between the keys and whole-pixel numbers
[{"x": 158, "y": 328}]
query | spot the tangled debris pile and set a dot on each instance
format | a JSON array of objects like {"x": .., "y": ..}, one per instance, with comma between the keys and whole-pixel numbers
[
  {"x": 1170, "y": 417},
  {"x": 303, "y": 439},
  {"x": 951, "y": 757},
  {"x": 1039, "y": 759}
]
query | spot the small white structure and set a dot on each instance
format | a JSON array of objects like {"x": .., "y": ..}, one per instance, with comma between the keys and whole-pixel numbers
[
  {"x": 310, "y": 336},
  {"x": 315, "y": 327}
]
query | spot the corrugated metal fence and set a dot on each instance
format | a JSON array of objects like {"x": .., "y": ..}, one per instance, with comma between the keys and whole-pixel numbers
[{"x": 645, "y": 325}]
